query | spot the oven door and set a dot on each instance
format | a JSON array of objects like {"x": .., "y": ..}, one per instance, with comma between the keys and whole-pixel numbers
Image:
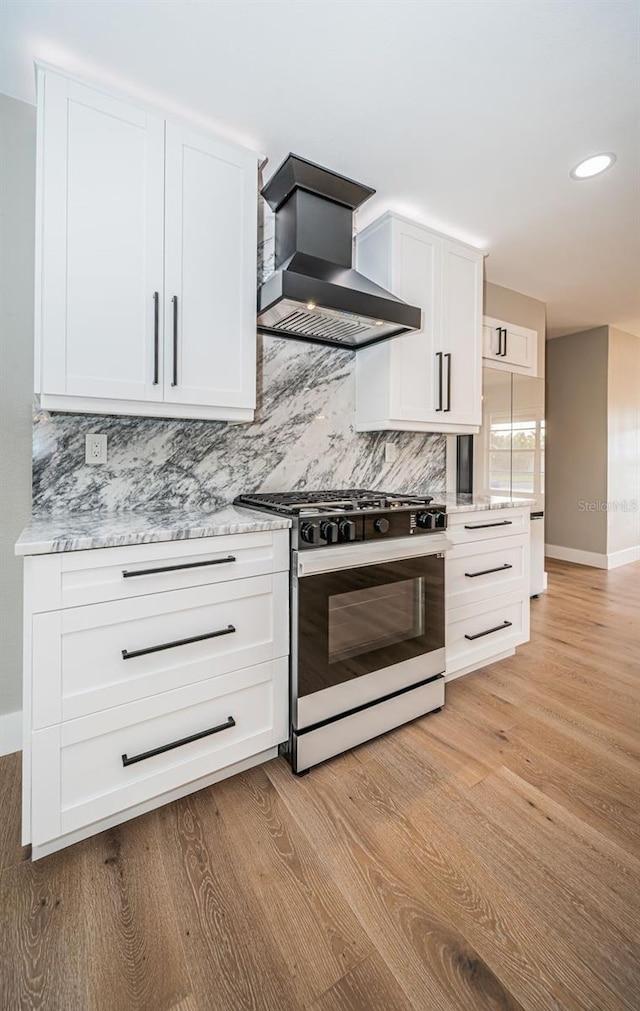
[{"x": 368, "y": 622}]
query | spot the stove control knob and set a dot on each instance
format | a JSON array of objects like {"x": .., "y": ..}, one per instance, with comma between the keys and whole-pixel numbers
[
  {"x": 426, "y": 520},
  {"x": 347, "y": 530},
  {"x": 381, "y": 525},
  {"x": 329, "y": 530},
  {"x": 310, "y": 533},
  {"x": 441, "y": 519}
]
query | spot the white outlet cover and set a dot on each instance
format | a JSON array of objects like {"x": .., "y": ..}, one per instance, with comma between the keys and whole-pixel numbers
[
  {"x": 95, "y": 449},
  {"x": 390, "y": 452}
]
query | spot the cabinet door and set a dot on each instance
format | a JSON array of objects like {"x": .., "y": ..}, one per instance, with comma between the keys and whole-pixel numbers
[
  {"x": 508, "y": 346},
  {"x": 461, "y": 334},
  {"x": 414, "y": 365},
  {"x": 520, "y": 347},
  {"x": 211, "y": 255},
  {"x": 101, "y": 181},
  {"x": 491, "y": 341}
]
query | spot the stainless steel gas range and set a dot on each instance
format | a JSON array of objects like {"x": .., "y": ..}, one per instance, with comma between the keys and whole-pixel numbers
[{"x": 367, "y": 615}]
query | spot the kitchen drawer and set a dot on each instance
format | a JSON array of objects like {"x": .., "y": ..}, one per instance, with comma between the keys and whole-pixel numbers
[
  {"x": 480, "y": 571},
  {"x": 468, "y": 528},
  {"x": 479, "y": 631},
  {"x": 78, "y": 770},
  {"x": 77, "y": 661},
  {"x": 76, "y": 578}
]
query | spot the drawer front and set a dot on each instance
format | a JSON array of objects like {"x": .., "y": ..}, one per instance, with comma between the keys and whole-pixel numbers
[
  {"x": 482, "y": 571},
  {"x": 471, "y": 527},
  {"x": 484, "y": 629},
  {"x": 91, "y": 768},
  {"x": 86, "y": 659},
  {"x": 76, "y": 578}
]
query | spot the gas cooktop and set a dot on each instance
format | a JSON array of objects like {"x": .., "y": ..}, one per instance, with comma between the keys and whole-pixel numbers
[
  {"x": 297, "y": 503},
  {"x": 326, "y": 518}
]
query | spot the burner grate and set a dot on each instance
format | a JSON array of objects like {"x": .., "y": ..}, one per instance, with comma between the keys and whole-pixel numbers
[{"x": 354, "y": 499}]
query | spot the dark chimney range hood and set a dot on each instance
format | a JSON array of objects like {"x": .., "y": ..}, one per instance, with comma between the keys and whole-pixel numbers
[{"x": 315, "y": 294}]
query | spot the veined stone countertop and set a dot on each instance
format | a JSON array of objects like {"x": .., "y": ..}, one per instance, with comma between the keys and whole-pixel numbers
[
  {"x": 46, "y": 534},
  {"x": 476, "y": 503}
]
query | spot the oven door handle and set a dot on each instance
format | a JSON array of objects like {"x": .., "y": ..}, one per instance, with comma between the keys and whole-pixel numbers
[{"x": 314, "y": 561}]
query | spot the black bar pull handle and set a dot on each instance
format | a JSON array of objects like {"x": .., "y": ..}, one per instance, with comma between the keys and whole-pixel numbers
[
  {"x": 174, "y": 568},
  {"x": 486, "y": 572},
  {"x": 439, "y": 356},
  {"x": 156, "y": 335},
  {"x": 484, "y": 526},
  {"x": 174, "y": 375},
  {"x": 499, "y": 351},
  {"x": 178, "y": 744},
  {"x": 496, "y": 628},
  {"x": 448, "y": 357},
  {"x": 504, "y": 352},
  {"x": 129, "y": 655}
]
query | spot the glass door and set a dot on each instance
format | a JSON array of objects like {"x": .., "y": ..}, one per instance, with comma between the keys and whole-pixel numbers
[{"x": 359, "y": 620}]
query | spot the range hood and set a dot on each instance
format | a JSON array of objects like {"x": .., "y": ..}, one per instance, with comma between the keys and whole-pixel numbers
[{"x": 315, "y": 294}]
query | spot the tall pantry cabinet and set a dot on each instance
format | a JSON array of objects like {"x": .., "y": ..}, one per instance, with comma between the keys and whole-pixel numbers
[{"x": 146, "y": 261}]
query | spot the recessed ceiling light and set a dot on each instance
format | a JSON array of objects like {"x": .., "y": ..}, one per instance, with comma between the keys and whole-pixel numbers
[{"x": 592, "y": 166}]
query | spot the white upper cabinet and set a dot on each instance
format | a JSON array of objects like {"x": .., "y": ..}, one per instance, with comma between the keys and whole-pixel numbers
[
  {"x": 509, "y": 347},
  {"x": 101, "y": 220},
  {"x": 132, "y": 213},
  {"x": 429, "y": 380},
  {"x": 461, "y": 339},
  {"x": 211, "y": 214}
]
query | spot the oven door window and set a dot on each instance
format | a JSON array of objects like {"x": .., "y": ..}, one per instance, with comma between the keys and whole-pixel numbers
[{"x": 361, "y": 620}]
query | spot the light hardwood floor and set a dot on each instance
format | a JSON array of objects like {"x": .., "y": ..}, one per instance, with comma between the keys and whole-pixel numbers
[{"x": 485, "y": 857}]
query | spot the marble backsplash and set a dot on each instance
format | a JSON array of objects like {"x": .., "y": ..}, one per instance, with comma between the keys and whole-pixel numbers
[{"x": 303, "y": 436}]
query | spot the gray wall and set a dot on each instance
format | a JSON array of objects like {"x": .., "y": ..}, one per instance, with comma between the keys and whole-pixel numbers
[
  {"x": 513, "y": 307},
  {"x": 17, "y": 195},
  {"x": 576, "y": 458},
  {"x": 623, "y": 391}
]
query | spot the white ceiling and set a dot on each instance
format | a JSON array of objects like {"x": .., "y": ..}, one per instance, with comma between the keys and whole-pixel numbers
[{"x": 466, "y": 115}]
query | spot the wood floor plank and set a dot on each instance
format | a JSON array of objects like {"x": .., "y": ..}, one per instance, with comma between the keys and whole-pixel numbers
[
  {"x": 443, "y": 873},
  {"x": 515, "y": 860},
  {"x": 554, "y": 835},
  {"x": 11, "y": 850},
  {"x": 584, "y": 790},
  {"x": 437, "y": 964},
  {"x": 229, "y": 961},
  {"x": 367, "y": 985},
  {"x": 44, "y": 934},
  {"x": 279, "y": 867},
  {"x": 605, "y": 739},
  {"x": 135, "y": 950},
  {"x": 572, "y": 741}
]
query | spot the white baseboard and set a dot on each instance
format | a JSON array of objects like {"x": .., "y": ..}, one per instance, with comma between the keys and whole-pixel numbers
[
  {"x": 592, "y": 558},
  {"x": 10, "y": 733},
  {"x": 617, "y": 558},
  {"x": 597, "y": 561}
]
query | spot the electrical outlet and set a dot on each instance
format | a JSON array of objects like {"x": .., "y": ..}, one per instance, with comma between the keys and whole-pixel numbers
[
  {"x": 95, "y": 449},
  {"x": 390, "y": 452}
]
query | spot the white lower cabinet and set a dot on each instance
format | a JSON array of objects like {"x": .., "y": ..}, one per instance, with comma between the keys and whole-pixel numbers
[
  {"x": 133, "y": 701},
  {"x": 482, "y": 631},
  {"x": 88, "y": 769},
  {"x": 486, "y": 587}
]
